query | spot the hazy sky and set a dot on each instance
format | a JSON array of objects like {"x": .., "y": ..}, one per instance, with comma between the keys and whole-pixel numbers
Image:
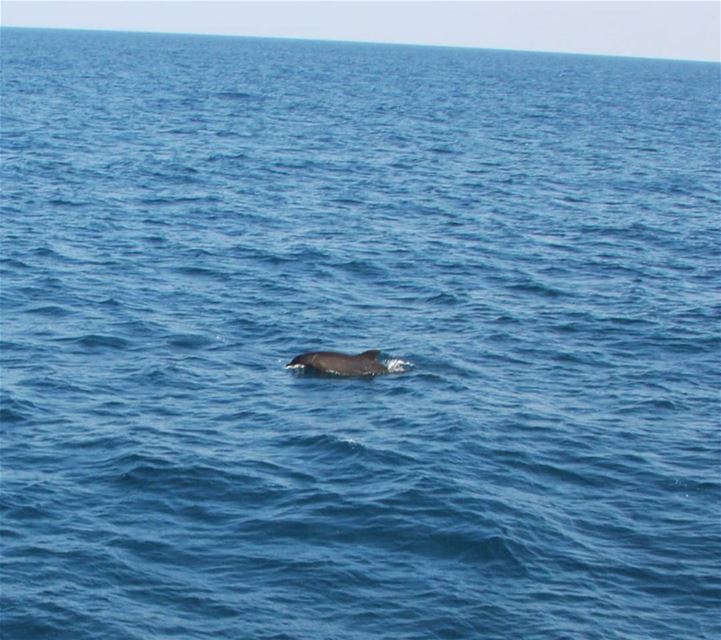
[{"x": 662, "y": 29}]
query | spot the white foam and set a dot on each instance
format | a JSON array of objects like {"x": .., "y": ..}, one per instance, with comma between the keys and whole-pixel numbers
[{"x": 397, "y": 365}]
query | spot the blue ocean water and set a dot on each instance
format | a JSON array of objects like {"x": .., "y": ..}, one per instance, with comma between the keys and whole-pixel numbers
[{"x": 538, "y": 235}]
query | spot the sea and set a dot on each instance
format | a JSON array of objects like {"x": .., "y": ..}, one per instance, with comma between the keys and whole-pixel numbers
[{"x": 535, "y": 238}]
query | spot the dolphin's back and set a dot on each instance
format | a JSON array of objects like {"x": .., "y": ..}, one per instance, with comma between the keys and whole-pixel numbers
[{"x": 363, "y": 364}]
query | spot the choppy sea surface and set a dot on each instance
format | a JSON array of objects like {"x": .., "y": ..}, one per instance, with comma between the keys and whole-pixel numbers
[{"x": 537, "y": 235}]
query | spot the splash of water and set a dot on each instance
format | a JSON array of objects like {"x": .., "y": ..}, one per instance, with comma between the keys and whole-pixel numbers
[{"x": 398, "y": 365}]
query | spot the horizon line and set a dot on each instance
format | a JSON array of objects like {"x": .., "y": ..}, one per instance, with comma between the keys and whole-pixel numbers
[{"x": 362, "y": 42}]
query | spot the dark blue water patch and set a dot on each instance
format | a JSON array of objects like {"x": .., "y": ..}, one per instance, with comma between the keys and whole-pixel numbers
[
  {"x": 536, "y": 234},
  {"x": 190, "y": 341},
  {"x": 98, "y": 342},
  {"x": 52, "y": 311},
  {"x": 13, "y": 411},
  {"x": 237, "y": 95},
  {"x": 203, "y": 272}
]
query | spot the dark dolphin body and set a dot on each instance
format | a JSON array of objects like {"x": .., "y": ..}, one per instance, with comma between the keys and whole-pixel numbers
[{"x": 342, "y": 364}]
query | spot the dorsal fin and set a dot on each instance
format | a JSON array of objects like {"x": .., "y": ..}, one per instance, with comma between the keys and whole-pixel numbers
[{"x": 371, "y": 354}]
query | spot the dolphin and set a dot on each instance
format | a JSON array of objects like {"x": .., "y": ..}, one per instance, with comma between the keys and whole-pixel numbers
[{"x": 341, "y": 364}]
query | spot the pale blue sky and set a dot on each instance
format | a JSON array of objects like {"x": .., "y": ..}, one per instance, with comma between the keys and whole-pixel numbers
[{"x": 661, "y": 29}]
